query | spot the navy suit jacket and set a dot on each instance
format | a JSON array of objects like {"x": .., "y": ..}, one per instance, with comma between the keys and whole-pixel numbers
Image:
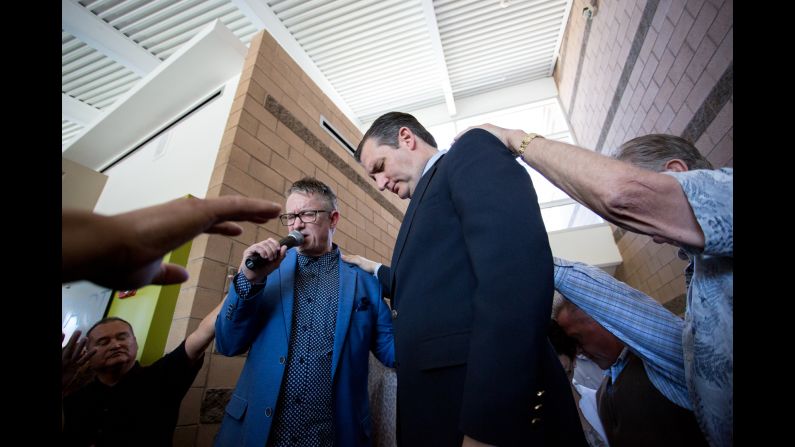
[
  {"x": 261, "y": 325},
  {"x": 472, "y": 283}
]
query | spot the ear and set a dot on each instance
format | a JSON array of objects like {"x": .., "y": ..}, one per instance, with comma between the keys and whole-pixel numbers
[
  {"x": 335, "y": 217},
  {"x": 676, "y": 165},
  {"x": 406, "y": 136}
]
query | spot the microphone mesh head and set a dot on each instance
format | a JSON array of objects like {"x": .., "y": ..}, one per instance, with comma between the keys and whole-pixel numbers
[{"x": 299, "y": 238}]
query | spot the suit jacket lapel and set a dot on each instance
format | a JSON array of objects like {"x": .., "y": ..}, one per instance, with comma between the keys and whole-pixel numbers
[
  {"x": 344, "y": 310},
  {"x": 405, "y": 226}
]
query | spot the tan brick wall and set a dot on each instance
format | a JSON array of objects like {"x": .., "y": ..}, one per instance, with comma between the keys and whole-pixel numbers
[
  {"x": 260, "y": 156},
  {"x": 686, "y": 51}
]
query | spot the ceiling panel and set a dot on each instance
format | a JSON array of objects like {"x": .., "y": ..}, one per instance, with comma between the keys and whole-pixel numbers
[
  {"x": 378, "y": 55},
  {"x": 487, "y": 46}
]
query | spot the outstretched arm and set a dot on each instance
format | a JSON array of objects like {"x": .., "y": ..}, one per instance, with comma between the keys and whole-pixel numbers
[
  {"x": 650, "y": 330},
  {"x": 637, "y": 199},
  {"x": 381, "y": 271},
  {"x": 125, "y": 251},
  {"x": 361, "y": 262},
  {"x": 200, "y": 339}
]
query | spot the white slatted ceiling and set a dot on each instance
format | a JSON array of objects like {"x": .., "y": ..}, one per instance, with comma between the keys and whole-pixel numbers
[
  {"x": 375, "y": 53},
  {"x": 159, "y": 26},
  {"x": 69, "y": 130},
  {"x": 89, "y": 76},
  {"x": 162, "y": 26},
  {"x": 488, "y": 47}
]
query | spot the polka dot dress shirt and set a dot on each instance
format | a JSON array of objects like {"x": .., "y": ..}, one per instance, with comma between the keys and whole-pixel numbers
[{"x": 304, "y": 413}]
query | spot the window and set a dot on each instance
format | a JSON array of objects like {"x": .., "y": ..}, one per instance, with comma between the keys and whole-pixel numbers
[{"x": 545, "y": 117}]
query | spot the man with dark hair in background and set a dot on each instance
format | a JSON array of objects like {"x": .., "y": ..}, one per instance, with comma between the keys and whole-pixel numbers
[
  {"x": 308, "y": 322},
  {"x": 128, "y": 404},
  {"x": 641, "y": 399}
]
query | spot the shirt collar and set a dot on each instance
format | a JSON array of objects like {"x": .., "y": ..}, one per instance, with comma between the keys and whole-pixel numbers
[
  {"x": 432, "y": 161},
  {"x": 615, "y": 369},
  {"x": 326, "y": 259}
]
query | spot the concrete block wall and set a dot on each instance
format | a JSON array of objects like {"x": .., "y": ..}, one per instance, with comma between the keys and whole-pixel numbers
[
  {"x": 272, "y": 138},
  {"x": 650, "y": 66}
]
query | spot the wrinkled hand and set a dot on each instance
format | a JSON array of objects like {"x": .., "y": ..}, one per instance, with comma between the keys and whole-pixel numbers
[
  {"x": 73, "y": 357},
  {"x": 270, "y": 250},
  {"x": 125, "y": 251},
  {"x": 363, "y": 263},
  {"x": 511, "y": 138}
]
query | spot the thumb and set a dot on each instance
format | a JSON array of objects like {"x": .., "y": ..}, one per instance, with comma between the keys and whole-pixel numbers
[{"x": 170, "y": 274}]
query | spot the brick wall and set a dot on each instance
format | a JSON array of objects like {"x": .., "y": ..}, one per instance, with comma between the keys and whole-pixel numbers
[
  {"x": 650, "y": 66},
  {"x": 272, "y": 138}
]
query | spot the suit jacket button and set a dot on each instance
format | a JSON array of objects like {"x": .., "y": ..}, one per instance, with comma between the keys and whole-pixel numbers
[
  {"x": 268, "y": 412},
  {"x": 281, "y": 360},
  {"x": 540, "y": 393},
  {"x": 535, "y": 421},
  {"x": 537, "y": 407},
  {"x": 394, "y": 313}
]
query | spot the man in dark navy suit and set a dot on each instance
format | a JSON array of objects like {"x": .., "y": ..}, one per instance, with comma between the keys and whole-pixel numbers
[{"x": 471, "y": 283}]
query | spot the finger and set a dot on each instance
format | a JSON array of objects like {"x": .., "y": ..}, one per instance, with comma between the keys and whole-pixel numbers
[
  {"x": 351, "y": 259},
  {"x": 170, "y": 274},
  {"x": 68, "y": 350},
  {"x": 79, "y": 349},
  {"x": 269, "y": 252},
  {"x": 225, "y": 228},
  {"x": 237, "y": 208},
  {"x": 463, "y": 132},
  {"x": 87, "y": 356},
  {"x": 269, "y": 249}
]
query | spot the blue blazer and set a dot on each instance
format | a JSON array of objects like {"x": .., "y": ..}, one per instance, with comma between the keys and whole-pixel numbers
[
  {"x": 472, "y": 284},
  {"x": 261, "y": 325}
]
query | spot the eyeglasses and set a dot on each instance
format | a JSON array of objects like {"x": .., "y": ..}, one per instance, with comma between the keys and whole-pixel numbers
[{"x": 307, "y": 216}]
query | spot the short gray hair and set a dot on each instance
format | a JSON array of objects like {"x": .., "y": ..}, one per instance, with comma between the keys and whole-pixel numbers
[
  {"x": 558, "y": 302},
  {"x": 653, "y": 151},
  {"x": 311, "y": 185}
]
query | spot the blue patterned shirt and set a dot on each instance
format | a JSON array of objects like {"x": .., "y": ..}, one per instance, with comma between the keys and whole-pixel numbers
[
  {"x": 709, "y": 317},
  {"x": 304, "y": 412},
  {"x": 648, "y": 329}
]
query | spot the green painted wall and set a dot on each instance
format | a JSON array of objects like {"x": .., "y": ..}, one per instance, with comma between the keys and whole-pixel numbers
[{"x": 151, "y": 310}]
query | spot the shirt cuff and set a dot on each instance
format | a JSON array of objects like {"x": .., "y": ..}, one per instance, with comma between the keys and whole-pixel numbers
[
  {"x": 375, "y": 272},
  {"x": 246, "y": 288}
]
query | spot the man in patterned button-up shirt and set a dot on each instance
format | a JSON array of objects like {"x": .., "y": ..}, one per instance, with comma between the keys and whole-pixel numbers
[{"x": 309, "y": 322}]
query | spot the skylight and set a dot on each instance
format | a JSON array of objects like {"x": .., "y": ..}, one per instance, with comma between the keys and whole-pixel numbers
[{"x": 545, "y": 117}]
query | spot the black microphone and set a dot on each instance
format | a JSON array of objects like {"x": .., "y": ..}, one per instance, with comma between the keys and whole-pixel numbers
[{"x": 291, "y": 240}]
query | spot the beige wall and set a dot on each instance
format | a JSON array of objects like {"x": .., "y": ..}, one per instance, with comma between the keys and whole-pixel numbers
[
  {"x": 272, "y": 138},
  {"x": 648, "y": 66}
]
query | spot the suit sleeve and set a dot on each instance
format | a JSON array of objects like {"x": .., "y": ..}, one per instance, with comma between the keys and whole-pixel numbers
[
  {"x": 383, "y": 342},
  {"x": 239, "y": 322},
  {"x": 508, "y": 248},
  {"x": 385, "y": 279}
]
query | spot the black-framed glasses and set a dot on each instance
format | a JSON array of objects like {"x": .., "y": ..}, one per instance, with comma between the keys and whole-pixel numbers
[{"x": 307, "y": 216}]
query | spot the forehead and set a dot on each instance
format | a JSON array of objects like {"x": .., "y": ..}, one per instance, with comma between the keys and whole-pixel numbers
[
  {"x": 371, "y": 152},
  {"x": 299, "y": 201},
  {"x": 110, "y": 328}
]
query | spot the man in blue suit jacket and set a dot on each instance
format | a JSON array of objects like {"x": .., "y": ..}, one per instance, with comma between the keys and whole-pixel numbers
[
  {"x": 309, "y": 322},
  {"x": 471, "y": 283}
]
